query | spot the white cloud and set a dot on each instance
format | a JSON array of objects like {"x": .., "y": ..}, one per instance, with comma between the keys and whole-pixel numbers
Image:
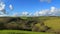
[
  {"x": 24, "y": 13},
  {"x": 53, "y": 11},
  {"x": 42, "y": 12},
  {"x": 21, "y": 14},
  {"x": 11, "y": 7},
  {"x": 2, "y": 6},
  {"x": 36, "y": 13}
]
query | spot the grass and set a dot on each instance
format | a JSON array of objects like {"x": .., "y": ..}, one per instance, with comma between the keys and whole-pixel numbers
[
  {"x": 20, "y": 32},
  {"x": 53, "y": 22}
]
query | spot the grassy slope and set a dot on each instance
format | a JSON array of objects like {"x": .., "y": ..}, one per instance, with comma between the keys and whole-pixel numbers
[
  {"x": 20, "y": 32},
  {"x": 53, "y": 22}
]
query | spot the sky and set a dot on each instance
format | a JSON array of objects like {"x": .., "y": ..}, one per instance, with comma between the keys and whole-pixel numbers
[{"x": 31, "y": 7}]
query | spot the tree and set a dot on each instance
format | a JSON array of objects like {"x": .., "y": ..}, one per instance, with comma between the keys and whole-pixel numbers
[{"x": 1, "y": 25}]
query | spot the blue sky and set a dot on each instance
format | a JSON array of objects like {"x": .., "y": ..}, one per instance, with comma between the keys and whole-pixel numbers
[{"x": 31, "y": 6}]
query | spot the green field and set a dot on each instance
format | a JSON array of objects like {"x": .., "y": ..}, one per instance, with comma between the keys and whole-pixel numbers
[
  {"x": 53, "y": 23},
  {"x": 20, "y": 32}
]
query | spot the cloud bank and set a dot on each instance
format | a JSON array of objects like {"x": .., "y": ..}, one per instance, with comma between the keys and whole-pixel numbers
[
  {"x": 2, "y": 7},
  {"x": 53, "y": 11}
]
